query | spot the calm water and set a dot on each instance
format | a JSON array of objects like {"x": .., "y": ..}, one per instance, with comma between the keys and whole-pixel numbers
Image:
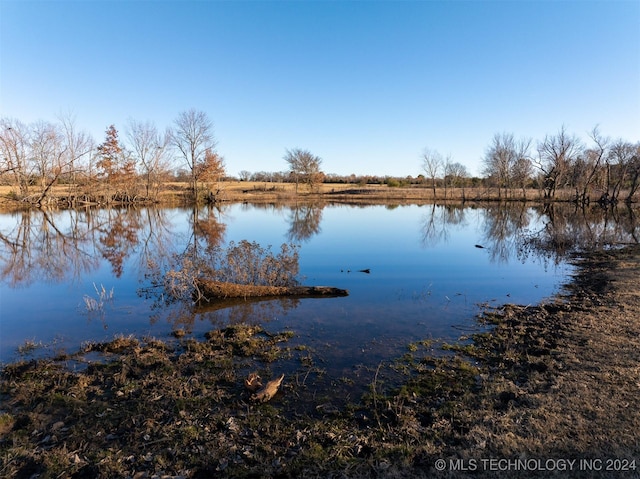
[{"x": 427, "y": 278}]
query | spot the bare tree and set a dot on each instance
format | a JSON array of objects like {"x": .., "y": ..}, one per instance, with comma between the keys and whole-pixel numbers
[
  {"x": 47, "y": 148},
  {"x": 634, "y": 173},
  {"x": 499, "y": 159},
  {"x": 49, "y": 154},
  {"x": 78, "y": 146},
  {"x": 14, "y": 153},
  {"x": 149, "y": 148},
  {"x": 193, "y": 137},
  {"x": 522, "y": 167},
  {"x": 591, "y": 164},
  {"x": 446, "y": 166},
  {"x": 623, "y": 169},
  {"x": 455, "y": 174},
  {"x": 555, "y": 157},
  {"x": 432, "y": 164},
  {"x": 507, "y": 162},
  {"x": 304, "y": 166}
]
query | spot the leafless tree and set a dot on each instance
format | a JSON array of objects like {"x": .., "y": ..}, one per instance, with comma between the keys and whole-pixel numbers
[
  {"x": 634, "y": 173},
  {"x": 304, "y": 166},
  {"x": 507, "y": 162},
  {"x": 46, "y": 146},
  {"x": 556, "y": 153},
  {"x": 50, "y": 157},
  {"x": 499, "y": 159},
  {"x": 591, "y": 164},
  {"x": 432, "y": 164},
  {"x": 623, "y": 169},
  {"x": 455, "y": 174},
  {"x": 150, "y": 149},
  {"x": 522, "y": 167},
  {"x": 521, "y": 174},
  {"x": 78, "y": 148},
  {"x": 193, "y": 138},
  {"x": 14, "y": 153}
]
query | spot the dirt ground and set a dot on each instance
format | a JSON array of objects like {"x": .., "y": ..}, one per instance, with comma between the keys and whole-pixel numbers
[{"x": 547, "y": 391}]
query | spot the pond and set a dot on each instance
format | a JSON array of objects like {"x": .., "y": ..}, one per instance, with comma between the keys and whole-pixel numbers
[{"x": 413, "y": 272}]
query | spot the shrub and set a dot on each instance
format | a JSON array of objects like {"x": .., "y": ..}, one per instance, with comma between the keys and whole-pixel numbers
[
  {"x": 249, "y": 263},
  {"x": 241, "y": 263}
]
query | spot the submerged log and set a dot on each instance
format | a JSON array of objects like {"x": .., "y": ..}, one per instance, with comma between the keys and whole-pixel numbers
[{"x": 209, "y": 289}]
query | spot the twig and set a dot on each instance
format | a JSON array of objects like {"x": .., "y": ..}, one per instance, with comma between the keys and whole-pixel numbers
[{"x": 375, "y": 398}]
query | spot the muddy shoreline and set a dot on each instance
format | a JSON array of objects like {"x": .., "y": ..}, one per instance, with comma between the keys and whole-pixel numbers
[{"x": 554, "y": 386}]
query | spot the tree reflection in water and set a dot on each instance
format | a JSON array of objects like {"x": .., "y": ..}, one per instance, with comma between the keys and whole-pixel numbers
[
  {"x": 551, "y": 232},
  {"x": 69, "y": 246},
  {"x": 304, "y": 221},
  {"x": 568, "y": 229}
]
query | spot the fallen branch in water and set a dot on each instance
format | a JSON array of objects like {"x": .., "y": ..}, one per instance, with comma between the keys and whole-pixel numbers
[{"x": 209, "y": 289}]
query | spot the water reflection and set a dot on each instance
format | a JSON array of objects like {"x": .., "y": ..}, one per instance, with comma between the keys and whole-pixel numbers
[
  {"x": 62, "y": 245},
  {"x": 304, "y": 222},
  {"x": 59, "y": 246},
  {"x": 504, "y": 228},
  {"x": 437, "y": 222},
  {"x": 42, "y": 253},
  {"x": 518, "y": 230},
  {"x": 568, "y": 229},
  {"x": 41, "y": 245}
]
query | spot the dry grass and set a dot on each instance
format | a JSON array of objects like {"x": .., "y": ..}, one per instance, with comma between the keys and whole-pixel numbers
[{"x": 175, "y": 193}]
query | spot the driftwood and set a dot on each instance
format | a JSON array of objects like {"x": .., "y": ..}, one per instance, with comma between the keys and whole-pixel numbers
[{"x": 209, "y": 290}]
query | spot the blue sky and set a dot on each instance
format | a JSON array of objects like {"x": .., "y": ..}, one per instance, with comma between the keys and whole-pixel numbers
[{"x": 364, "y": 85}]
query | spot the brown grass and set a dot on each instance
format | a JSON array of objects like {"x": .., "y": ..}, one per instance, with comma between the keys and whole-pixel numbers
[{"x": 175, "y": 193}]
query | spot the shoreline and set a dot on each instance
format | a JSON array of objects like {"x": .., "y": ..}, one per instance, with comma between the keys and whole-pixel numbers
[
  {"x": 175, "y": 194},
  {"x": 556, "y": 381}
]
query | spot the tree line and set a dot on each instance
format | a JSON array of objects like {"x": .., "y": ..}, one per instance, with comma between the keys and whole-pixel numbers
[
  {"x": 600, "y": 170},
  {"x": 36, "y": 157},
  {"x": 134, "y": 166}
]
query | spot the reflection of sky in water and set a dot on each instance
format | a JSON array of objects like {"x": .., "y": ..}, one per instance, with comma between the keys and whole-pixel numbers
[
  {"x": 414, "y": 291},
  {"x": 424, "y": 282}
]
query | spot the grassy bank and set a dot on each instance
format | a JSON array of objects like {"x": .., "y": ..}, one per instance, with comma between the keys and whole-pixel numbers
[
  {"x": 558, "y": 381},
  {"x": 176, "y": 193}
]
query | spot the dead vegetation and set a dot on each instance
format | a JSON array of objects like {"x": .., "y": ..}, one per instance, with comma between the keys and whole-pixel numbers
[
  {"x": 559, "y": 380},
  {"x": 241, "y": 270},
  {"x": 178, "y": 193},
  {"x": 211, "y": 290}
]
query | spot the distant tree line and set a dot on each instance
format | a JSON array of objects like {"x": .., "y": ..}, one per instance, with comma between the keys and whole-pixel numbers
[
  {"x": 603, "y": 170},
  {"x": 133, "y": 167}
]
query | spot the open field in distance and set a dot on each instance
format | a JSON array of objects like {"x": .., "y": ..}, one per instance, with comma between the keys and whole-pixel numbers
[{"x": 173, "y": 193}]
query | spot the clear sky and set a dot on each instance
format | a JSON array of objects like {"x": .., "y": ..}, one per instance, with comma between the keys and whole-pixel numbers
[{"x": 364, "y": 85}]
